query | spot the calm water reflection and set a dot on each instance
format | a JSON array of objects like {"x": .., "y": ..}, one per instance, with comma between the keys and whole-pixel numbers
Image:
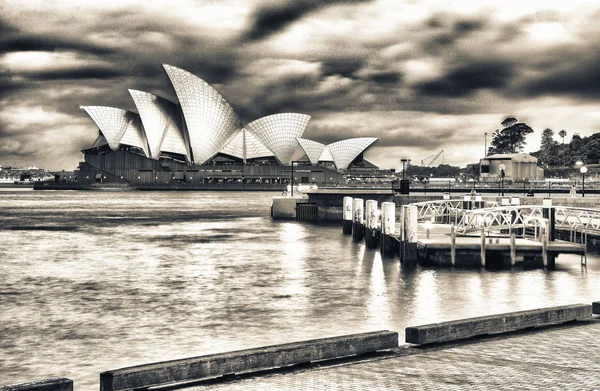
[{"x": 91, "y": 281}]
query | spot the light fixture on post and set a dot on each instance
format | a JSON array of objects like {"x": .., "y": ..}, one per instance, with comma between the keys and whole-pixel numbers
[
  {"x": 502, "y": 168},
  {"x": 583, "y": 170},
  {"x": 403, "y": 167}
]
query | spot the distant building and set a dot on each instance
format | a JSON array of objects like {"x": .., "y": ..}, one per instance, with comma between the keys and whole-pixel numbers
[
  {"x": 201, "y": 140},
  {"x": 518, "y": 166}
]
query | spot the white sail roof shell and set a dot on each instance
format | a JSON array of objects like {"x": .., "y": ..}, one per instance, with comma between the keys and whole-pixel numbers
[
  {"x": 134, "y": 134},
  {"x": 118, "y": 126},
  {"x": 210, "y": 119},
  {"x": 235, "y": 145},
  {"x": 246, "y": 145},
  {"x": 279, "y": 133},
  {"x": 312, "y": 149},
  {"x": 111, "y": 121},
  {"x": 100, "y": 141},
  {"x": 160, "y": 119},
  {"x": 326, "y": 155},
  {"x": 345, "y": 151},
  {"x": 255, "y": 148}
]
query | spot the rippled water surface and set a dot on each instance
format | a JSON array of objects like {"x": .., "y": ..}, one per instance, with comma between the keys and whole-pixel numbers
[{"x": 92, "y": 281}]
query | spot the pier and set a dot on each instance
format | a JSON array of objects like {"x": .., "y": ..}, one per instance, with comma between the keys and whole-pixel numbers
[{"x": 471, "y": 231}]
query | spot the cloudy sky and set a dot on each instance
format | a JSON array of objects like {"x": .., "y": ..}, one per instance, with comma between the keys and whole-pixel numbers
[{"x": 421, "y": 75}]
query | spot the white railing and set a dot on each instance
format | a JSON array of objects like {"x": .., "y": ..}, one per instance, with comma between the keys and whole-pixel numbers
[{"x": 493, "y": 217}]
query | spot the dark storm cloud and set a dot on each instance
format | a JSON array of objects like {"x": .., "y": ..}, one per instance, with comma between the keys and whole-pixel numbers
[
  {"x": 14, "y": 40},
  {"x": 76, "y": 74},
  {"x": 346, "y": 66},
  {"x": 578, "y": 75},
  {"x": 468, "y": 78},
  {"x": 442, "y": 31},
  {"x": 385, "y": 77},
  {"x": 275, "y": 17}
]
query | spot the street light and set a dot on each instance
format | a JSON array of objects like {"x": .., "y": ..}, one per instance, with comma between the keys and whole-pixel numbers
[
  {"x": 502, "y": 167},
  {"x": 583, "y": 170},
  {"x": 403, "y": 167}
]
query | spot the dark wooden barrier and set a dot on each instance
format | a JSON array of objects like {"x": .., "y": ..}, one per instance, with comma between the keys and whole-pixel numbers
[
  {"x": 494, "y": 324},
  {"x": 307, "y": 212},
  {"x": 215, "y": 365},
  {"x": 596, "y": 307},
  {"x": 57, "y": 384}
]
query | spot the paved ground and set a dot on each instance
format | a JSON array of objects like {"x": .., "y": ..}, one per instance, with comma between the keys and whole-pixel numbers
[{"x": 559, "y": 358}]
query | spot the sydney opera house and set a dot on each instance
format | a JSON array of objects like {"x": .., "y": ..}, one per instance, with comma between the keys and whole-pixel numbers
[{"x": 201, "y": 140}]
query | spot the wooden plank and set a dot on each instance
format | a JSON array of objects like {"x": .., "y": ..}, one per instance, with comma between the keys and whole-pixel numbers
[
  {"x": 214, "y": 365},
  {"x": 54, "y": 384},
  {"x": 596, "y": 307},
  {"x": 494, "y": 324}
]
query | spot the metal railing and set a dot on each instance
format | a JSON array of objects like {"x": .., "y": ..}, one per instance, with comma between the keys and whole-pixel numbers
[{"x": 492, "y": 217}]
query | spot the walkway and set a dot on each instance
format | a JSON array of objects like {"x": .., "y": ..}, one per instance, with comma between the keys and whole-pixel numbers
[{"x": 558, "y": 358}]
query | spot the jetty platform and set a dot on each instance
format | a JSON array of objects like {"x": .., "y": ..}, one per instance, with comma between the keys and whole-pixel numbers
[
  {"x": 558, "y": 358},
  {"x": 439, "y": 238}
]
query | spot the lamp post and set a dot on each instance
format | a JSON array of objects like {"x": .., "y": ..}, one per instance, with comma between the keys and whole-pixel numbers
[
  {"x": 583, "y": 170},
  {"x": 403, "y": 167},
  {"x": 502, "y": 167},
  {"x": 292, "y": 178}
]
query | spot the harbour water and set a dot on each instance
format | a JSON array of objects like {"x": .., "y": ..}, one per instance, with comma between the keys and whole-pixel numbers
[{"x": 91, "y": 281}]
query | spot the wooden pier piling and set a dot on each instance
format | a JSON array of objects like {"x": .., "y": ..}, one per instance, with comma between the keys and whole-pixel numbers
[
  {"x": 358, "y": 226},
  {"x": 347, "y": 216},
  {"x": 371, "y": 217},
  {"x": 388, "y": 244},
  {"x": 410, "y": 253}
]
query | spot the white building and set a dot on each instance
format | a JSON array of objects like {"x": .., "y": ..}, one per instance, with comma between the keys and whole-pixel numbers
[{"x": 517, "y": 166}]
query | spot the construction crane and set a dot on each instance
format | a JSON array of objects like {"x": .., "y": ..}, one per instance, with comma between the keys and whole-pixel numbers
[{"x": 429, "y": 160}]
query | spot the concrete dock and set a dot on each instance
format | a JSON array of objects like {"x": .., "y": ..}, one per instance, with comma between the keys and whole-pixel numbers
[{"x": 557, "y": 358}]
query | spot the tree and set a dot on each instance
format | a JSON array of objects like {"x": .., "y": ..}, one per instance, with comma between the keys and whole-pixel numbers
[
  {"x": 590, "y": 152},
  {"x": 563, "y": 134},
  {"x": 511, "y": 138},
  {"x": 549, "y": 148}
]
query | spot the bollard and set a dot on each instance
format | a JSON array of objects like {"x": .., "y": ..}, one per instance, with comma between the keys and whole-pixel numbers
[
  {"x": 371, "y": 223},
  {"x": 347, "y": 216},
  {"x": 410, "y": 235},
  {"x": 388, "y": 227},
  {"x": 358, "y": 226}
]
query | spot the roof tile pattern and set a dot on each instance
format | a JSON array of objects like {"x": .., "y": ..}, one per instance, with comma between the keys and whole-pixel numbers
[
  {"x": 279, "y": 133},
  {"x": 134, "y": 134},
  {"x": 312, "y": 149},
  {"x": 160, "y": 119},
  {"x": 210, "y": 119},
  {"x": 111, "y": 121},
  {"x": 345, "y": 151}
]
